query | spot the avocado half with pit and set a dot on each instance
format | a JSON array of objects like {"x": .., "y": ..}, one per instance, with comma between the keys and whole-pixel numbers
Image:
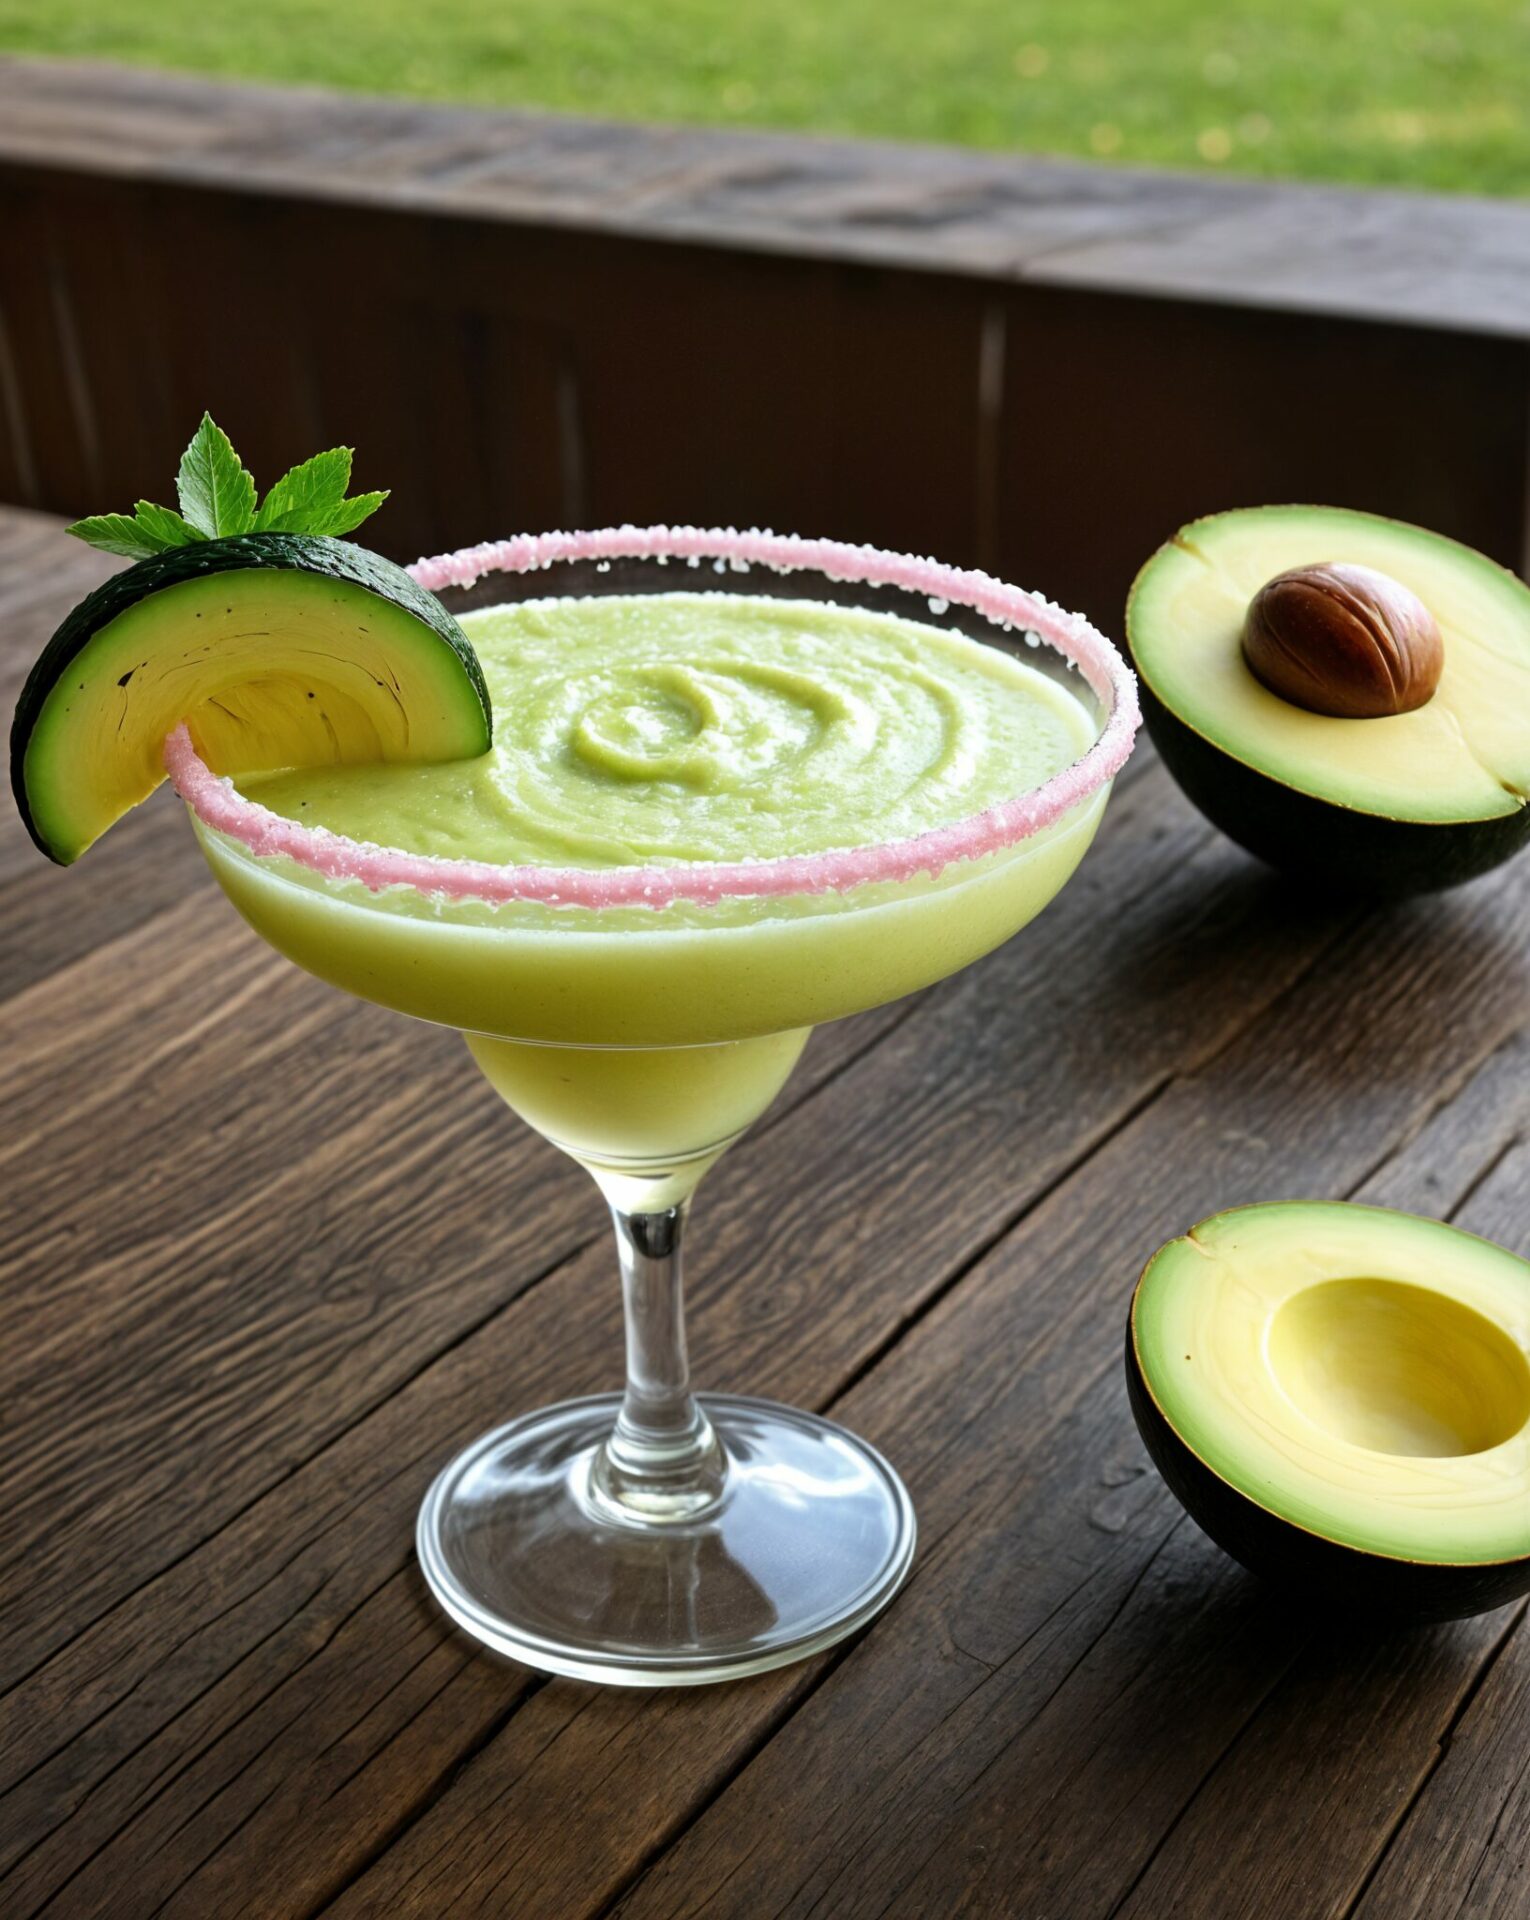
[
  {"x": 1340, "y": 1396},
  {"x": 276, "y": 649},
  {"x": 1385, "y": 806}
]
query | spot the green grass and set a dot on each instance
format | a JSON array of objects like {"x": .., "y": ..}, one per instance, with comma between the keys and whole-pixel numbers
[{"x": 1400, "y": 92}]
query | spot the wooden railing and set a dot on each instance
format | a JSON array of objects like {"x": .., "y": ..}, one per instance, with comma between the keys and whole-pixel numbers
[{"x": 523, "y": 320}]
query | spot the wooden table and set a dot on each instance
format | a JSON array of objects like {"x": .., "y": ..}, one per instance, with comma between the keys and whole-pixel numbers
[{"x": 272, "y": 1255}]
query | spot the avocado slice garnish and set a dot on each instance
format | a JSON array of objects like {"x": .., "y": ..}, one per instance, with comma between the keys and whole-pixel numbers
[
  {"x": 276, "y": 647},
  {"x": 1340, "y": 1395},
  {"x": 1397, "y": 804}
]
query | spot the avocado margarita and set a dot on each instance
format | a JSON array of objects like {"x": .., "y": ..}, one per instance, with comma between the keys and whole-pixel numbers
[{"x": 634, "y": 846}]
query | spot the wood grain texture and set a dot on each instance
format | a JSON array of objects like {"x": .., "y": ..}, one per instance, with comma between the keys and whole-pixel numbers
[
  {"x": 1111, "y": 1657},
  {"x": 840, "y": 1244},
  {"x": 200, "y": 1274},
  {"x": 49, "y": 918},
  {"x": 271, "y": 1255}
]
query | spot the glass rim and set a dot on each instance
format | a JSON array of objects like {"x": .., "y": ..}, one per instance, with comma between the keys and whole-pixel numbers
[{"x": 219, "y": 805}]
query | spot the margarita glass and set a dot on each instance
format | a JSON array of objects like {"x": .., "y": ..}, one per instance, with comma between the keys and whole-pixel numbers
[{"x": 641, "y": 1017}]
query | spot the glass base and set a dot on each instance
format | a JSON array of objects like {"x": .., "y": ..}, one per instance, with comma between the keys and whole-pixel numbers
[{"x": 810, "y": 1538}]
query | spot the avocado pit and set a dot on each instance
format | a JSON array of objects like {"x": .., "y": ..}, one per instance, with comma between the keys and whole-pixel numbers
[{"x": 1347, "y": 641}]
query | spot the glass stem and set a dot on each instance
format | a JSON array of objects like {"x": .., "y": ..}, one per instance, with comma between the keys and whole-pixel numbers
[{"x": 662, "y": 1461}]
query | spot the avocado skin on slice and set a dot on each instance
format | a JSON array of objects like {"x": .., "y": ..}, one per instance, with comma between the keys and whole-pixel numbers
[
  {"x": 315, "y": 555},
  {"x": 1314, "y": 1570},
  {"x": 1333, "y": 848}
]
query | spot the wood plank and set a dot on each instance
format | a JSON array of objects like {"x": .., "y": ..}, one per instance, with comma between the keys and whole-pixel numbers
[
  {"x": 1072, "y": 1658},
  {"x": 1206, "y": 943},
  {"x": 233, "y": 338},
  {"x": 1462, "y": 1849},
  {"x": 1347, "y": 1732},
  {"x": 1449, "y": 262},
  {"x": 1360, "y": 1720},
  {"x": 1232, "y": 412},
  {"x": 678, "y": 415},
  {"x": 224, "y": 1402},
  {"x": 775, "y": 294},
  {"x": 1459, "y": 1849},
  {"x": 52, "y": 916},
  {"x": 42, "y": 374},
  {"x": 42, "y": 573},
  {"x": 252, "y": 1325},
  {"x": 539, "y": 411},
  {"x": 19, "y": 480}
]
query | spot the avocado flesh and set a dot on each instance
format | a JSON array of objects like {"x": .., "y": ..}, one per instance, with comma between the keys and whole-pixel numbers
[
  {"x": 1358, "y": 1373},
  {"x": 1464, "y": 756},
  {"x": 276, "y": 650}
]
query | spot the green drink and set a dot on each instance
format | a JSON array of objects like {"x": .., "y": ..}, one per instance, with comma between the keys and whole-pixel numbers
[
  {"x": 708, "y": 821},
  {"x": 666, "y": 728},
  {"x": 634, "y": 845}
]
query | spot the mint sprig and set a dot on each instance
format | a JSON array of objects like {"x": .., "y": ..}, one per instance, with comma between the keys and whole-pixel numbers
[{"x": 217, "y": 498}]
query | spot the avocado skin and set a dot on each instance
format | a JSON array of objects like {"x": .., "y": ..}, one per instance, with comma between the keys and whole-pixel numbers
[
  {"x": 1314, "y": 840},
  {"x": 1315, "y": 1570},
  {"x": 243, "y": 552}
]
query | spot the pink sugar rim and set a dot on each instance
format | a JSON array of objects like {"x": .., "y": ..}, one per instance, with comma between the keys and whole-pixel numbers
[{"x": 219, "y": 805}]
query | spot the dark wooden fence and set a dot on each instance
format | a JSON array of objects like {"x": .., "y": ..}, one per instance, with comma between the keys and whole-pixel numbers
[{"x": 523, "y": 321}]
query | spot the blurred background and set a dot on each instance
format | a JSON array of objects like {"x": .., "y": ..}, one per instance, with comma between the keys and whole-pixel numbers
[
  {"x": 1389, "y": 93},
  {"x": 1022, "y": 284}
]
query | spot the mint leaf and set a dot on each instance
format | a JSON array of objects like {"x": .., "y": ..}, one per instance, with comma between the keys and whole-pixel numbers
[
  {"x": 119, "y": 533},
  {"x": 311, "y": 498},
  {"x": 165, "y": 525},
  {"x": 217, "y": 494},
  {"x": 346, "y": 515},
  {"x": 306, "y": 493},
  {"x": 217, "y": 498}
]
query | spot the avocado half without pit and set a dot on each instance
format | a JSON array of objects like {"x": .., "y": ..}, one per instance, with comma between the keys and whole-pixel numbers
[
  {"x": 1345, "y": 696},
  {"x": 1340, "y": 1396}
]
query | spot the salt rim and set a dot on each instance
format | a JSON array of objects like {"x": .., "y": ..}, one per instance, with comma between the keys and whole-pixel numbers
[{"x": 219, "y": 805}]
